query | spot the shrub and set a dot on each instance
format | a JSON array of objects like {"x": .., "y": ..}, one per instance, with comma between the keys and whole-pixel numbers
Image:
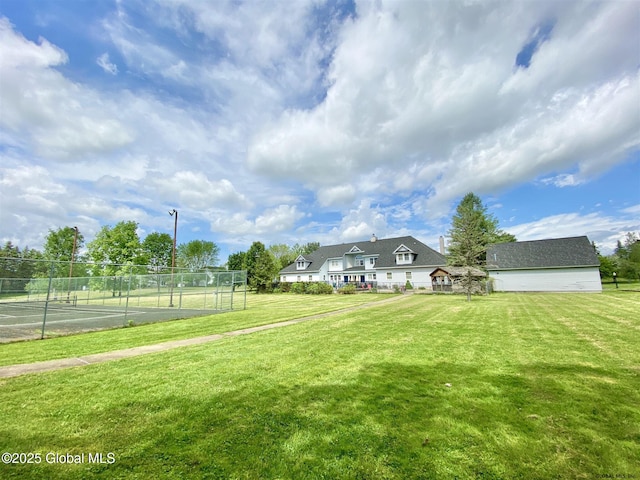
[
  {"x": 408, "y": 285},
  {"x": 320, "y": 288},
  {"x": 297, "y": 287},
  {"x": 347, "y": 289}
]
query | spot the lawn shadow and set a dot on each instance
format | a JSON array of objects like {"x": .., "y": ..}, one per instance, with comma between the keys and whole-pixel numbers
[{"x": 388, "y": 420}]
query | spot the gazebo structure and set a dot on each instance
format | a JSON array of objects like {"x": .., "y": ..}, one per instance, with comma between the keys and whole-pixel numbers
[{"x": 451, "y": 279}]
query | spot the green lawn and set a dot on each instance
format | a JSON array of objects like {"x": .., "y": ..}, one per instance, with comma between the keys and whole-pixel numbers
[
  {"x": 261, "y": 310},
  {"x": 507, "y": 386}
]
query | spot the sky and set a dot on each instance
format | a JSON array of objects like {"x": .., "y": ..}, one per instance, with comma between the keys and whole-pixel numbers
[{"x": 318, "y": 121}]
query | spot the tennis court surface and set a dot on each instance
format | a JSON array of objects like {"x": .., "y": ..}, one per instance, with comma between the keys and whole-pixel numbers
[{"x": 27, "y": 320}]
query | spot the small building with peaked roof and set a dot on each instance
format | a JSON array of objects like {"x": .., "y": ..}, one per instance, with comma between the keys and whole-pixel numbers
[
  {"x": 452, "y": 279},
  {"x": 554, "y": 265},
  {"x": 377, "y": 262}
]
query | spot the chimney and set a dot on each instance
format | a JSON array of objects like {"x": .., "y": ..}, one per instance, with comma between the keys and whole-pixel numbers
[
  {"x": 442, "y": 245},
  {"x": 373, "y": 238}
]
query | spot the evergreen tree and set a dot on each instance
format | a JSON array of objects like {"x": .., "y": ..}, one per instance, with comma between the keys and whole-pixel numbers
[{"x": 472, "y": 230}]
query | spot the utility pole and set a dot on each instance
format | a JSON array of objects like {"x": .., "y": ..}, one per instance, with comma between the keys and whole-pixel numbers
[{"x": 73, "y": 254}]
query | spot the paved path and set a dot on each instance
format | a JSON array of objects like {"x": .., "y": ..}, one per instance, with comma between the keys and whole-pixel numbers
[{"x": 22, "y": 369}]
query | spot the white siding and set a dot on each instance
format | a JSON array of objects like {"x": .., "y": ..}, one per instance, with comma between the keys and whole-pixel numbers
[{"x": 547, "y": 280}]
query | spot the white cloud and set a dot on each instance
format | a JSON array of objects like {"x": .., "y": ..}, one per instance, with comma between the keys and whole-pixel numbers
[
  {"x": 40, "y": 106},
  {"x": 417, "y": 86},
  {"x": 104, "y": 63},
  {"x": 195, "y": 191},
  {"x": 605, "y": 230},
  {"x": 360, "y": 223},
  {"x": 238, "y": 228}
]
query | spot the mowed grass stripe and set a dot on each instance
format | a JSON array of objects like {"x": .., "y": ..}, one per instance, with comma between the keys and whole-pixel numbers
[
  {"x": 359, "y": 395},
  {"x": 261, "y": 310}
]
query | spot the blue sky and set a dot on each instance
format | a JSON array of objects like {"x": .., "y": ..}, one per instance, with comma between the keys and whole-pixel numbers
[{"x": 293, "y": 122}]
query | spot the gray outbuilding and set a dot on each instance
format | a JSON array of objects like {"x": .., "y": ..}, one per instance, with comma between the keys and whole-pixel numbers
[{"x": 553, "y": 265}]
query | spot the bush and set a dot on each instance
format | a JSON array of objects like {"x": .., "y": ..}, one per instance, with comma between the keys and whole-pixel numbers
[
  {"x": 408, "y": 286},
  {"x": 347, "y": 289},
  {"x": 311, "y": 288},
  {"x": 319, "y": 288}
]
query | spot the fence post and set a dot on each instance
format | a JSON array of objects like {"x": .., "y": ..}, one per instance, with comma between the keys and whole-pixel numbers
[
  {"x": 46, "y": 303},
  {"x": 217, "y": 288},
  {"x": 126, "y": 304}
]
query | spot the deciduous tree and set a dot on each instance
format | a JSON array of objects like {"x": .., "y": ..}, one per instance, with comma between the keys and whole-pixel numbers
[
  {"x": 197, "y": 254},
  {"x": 116, "y": 247}
]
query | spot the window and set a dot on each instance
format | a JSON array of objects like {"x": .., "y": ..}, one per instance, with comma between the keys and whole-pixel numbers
[
  {"x": 299, "y": 278},
  {"x": 408, "y": 274},
  {"x": 389, "y": 275},
  {"x": 404, "y": 258},
  {"x": 372, "y": 261},
  {"x": 310, "y": 278}
]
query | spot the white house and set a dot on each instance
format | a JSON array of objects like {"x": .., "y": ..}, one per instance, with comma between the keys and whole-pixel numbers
[
  {"x": 555, "y": 265},
  {"x": 382, "y": 262}
]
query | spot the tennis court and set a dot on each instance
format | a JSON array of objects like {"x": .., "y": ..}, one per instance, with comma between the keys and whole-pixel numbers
[
  {"x": 60, "y": 305},
  {"x": 25, "y": 320}
]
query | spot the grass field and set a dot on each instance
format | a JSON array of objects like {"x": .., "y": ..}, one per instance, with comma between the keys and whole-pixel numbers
[{"x": 507, "y": 386}]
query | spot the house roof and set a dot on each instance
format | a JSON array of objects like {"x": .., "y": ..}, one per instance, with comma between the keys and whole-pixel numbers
[
  {"x": 459, "y": 271},
  {"x": 552, "y": 253},
  {"x": 382, "y": 249}
]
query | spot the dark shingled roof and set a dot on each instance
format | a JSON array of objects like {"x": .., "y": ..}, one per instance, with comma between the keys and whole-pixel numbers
[
  {"x": 384, "y": 248},
  {"x": 553, "y": 253}
]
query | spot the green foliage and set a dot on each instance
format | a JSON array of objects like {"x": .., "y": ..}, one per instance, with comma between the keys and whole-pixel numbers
[
  {"x": 306, "y": 248},
  {"x": 408, "y": 285},
  {"x": 116, "y": 247},
  {"x": 608, "y": 265},
  {"x": 262, "y": 269},
  {"x": 18, "y": 266},
  {"x": 348, "y": 289},
  {"x": 197, "y": 254},
  {"x": 283, "y": 255},
  {"x": 59, "y": 244},
  {"x": 157, "y": 249},
  {"x": 59, "y": 247},
  {"x": 297, "y": 287},
  {"x": 472, "y": 230},
  {"x": 237, "y": 261},
  {"x": 626, "y": 258},
  {"x": 319, "y": 288}
]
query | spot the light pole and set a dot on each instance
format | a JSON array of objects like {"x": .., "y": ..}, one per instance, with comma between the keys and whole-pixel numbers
[
  {"x": 73, "y": 254},
  {"x": 173, "y": 252}
]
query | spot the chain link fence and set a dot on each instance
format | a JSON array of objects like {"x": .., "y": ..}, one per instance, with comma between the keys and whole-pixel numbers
[{"x": 58, "y": 298}]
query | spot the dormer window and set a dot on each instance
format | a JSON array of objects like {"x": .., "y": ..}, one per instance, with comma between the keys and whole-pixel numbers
[
  {"x": 404, "y": 258},
  {"x": 404, "y": 255},
  {"x": 302, "y": 263}
]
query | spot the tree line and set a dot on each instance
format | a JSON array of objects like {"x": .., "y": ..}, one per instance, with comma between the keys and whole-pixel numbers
[
  {"x": 624, "y": 261},
  {"x": 114, "y": 251},
  {"x": 118, "y": 250}
]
